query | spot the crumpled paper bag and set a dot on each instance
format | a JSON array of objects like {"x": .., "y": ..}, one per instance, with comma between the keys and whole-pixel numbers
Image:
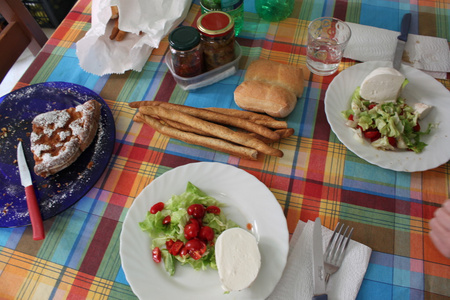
[
  {"x": 147, "y": 23},
  {"x": 429, "y": 54}
]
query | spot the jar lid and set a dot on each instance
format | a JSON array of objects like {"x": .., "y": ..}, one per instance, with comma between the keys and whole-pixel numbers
[
  {"x": 184, "y": 38},
  {"x": 215, "y": 23}
]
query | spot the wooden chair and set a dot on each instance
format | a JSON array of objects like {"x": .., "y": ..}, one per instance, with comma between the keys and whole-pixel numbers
[{"x": 21, "y": 32}]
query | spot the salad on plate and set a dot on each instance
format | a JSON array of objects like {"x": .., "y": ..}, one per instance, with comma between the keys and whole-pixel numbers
[
  {"x": 185, "y": 229},
  {"x": 380, "y": 115}
]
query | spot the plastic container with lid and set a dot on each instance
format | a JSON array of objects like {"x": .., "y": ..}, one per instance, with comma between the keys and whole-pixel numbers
[
  {"x": 217, "y": 38},
  {"x": 207, "y": 78},
  {"x": 185, "y": 49}
]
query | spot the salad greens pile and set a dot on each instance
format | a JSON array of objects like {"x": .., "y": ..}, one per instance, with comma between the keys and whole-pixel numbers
[
  {"x": 177, "y": 208},
  {"x": 389, "y": 125}
]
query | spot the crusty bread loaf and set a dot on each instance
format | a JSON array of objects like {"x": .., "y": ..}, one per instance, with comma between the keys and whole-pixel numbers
[
  {"x": 287, "y": 76},
  {"x": 260, "y": 96}
]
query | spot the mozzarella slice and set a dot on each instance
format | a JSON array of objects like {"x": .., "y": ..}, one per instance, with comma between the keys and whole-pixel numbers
[
  {"x": 382, "y": 84},
  {"x": 422, "y": 109},
  {"x": 238, "y": 259}
]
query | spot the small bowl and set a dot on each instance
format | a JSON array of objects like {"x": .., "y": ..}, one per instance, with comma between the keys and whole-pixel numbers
[{"x": 207, "y": 78}]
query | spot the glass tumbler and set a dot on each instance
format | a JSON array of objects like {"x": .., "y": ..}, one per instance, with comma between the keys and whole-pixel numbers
[{"x": 327, "y": 39}]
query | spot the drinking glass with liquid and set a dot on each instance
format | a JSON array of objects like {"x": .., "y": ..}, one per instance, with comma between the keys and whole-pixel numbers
[{"x": 327, "y": 39}]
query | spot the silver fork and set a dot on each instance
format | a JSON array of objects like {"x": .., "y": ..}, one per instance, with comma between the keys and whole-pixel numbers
[{"x": 335, "y": 252}]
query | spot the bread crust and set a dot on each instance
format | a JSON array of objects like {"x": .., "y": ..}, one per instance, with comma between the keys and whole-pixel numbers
[
  {"x": 288, "y": 76},
  {"x": 259, "y": 96}
]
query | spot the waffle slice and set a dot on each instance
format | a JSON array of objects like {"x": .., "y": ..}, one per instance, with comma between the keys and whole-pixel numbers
[{"x": 60, "y": 136}]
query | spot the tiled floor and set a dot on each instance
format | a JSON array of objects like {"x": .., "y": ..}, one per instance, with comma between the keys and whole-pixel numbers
[{"x": 19, "y": 68}]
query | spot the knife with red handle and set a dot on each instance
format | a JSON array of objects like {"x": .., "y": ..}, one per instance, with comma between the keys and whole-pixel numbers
[{"x": 33, "y": 207}]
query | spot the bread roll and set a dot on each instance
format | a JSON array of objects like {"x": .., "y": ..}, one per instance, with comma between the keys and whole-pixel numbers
[
  {"x": 260, "y": 96},
  {"x": 287, "y": 76}
]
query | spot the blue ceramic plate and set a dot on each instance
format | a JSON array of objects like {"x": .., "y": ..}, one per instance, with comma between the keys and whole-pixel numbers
[{"x": 57, "y": 192}]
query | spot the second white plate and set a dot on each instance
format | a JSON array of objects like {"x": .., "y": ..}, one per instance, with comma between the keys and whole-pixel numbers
[{"x": 421, "y": 88}]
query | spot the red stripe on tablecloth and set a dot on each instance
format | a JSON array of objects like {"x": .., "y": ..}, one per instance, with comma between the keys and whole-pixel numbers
[
  {"x": 340, "y": 9},
  {"x": 99, "y": 244}
]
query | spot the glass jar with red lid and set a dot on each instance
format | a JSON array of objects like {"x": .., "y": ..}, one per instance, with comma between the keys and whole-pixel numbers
[
  {"x": 217, "y": 38},
  {"x": 186, "y": 52}
]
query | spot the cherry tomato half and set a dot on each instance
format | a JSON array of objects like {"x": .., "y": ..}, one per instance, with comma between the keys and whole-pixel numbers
[
  {"x": 196, "y": 245},
  {"x": 156, "y": 255},
  {"x": 166, "y": 220},
  {"x": 212, "y": 209},
  {"x": 372, "y": 134},
  {"x": 197, "y": 211},
  {"x": 176, "y": 247},
  {"x": 157, "y": 207},
  {"x": 169, "y": 244},
  {"x": 191, "y": 230},
  {"x": 392, "y": 141},
  {"x": 206, "y": 233}
]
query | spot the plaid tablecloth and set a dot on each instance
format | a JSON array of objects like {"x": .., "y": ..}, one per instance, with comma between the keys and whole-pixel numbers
[{"x": 318, "y": 175}]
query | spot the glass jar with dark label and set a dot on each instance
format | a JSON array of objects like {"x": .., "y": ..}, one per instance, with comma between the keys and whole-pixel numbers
[
  {"x": 217, "y": 35},
  {"x": 186, "y": 51}
]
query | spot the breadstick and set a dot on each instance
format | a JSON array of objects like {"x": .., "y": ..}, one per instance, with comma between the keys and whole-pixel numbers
[
  {"x": 284, "y": 133},
  {"x": 114, "y": 12},
  {"x": 192, "y": 138},
  {"x": 115, "y": 30},
  {"x": 217, "y": 118},
  {"x": 211, "y": 128},
  {"x": 255, "y": 117}
]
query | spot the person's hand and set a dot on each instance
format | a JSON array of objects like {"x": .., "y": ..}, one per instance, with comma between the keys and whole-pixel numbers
[{"x": 440, "y": 228}]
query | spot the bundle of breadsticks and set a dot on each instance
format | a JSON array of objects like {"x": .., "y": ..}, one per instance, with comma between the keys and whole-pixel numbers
[{"x": 240, "y": 133}]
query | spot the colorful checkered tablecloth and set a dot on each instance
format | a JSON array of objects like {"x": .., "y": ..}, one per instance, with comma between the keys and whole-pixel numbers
[{"x": 318, "y": 175}]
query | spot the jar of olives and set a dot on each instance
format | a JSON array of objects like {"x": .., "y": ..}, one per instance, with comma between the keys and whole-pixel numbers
[
  {"x": 186, "y": 52},
  {"x": 217, "y": 38}
]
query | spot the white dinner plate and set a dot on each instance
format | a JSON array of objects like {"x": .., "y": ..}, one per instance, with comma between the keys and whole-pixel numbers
[
  {"x": 421, "y": 88},
  {"x": 247, "y": 200}
]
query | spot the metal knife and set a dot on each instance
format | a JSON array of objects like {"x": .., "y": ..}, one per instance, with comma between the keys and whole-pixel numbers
[
  {"x": 401, "y": 40},
  {"x": 33, "y": 207},
  {"x": 318, "y": 270}
]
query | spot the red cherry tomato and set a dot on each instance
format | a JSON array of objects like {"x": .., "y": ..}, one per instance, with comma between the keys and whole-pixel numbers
[
  {"x": 197, "y": 211},
  {"x": 196, "y": 245},
  {"x": 350, "y": 117},
  {"x": 176, "y": 247},
  {"x": 184, "y": 252},
  {"x": 156, "y": 255},
  {"x": 195, "y": 255},
  {"x": 169, "y": 244},
  {"x": 417, "y": 127},
  {"x": 372, "y": 134},
  {"x": 212, "y": 209},
  {"x": 392, "y": 141},
  {"x": 372, "y": 105},
  {"x": 206, "y": 233},
  {"x": 157, "y": 207},
  {"x": 191, "y": 230},
  {"x": 166, "y": 220}
]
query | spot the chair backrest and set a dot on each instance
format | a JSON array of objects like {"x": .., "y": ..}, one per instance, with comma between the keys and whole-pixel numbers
[{"x": 21, "y": 32}]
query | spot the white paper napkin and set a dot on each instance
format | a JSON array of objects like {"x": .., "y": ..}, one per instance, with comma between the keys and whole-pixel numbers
[
  {"x": 297, "y": 282},
  {"x": 429, "y": 54},
  {"x": 153, "y": 18}
]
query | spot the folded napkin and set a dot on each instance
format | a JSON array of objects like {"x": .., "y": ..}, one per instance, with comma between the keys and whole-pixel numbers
[
  {"x": 297, "y": 279},
  {"x": 146, "y": 21},
  {"x": 429, "y": 54}
]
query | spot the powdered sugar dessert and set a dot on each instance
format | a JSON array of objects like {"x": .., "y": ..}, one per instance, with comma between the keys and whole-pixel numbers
[{"x": 60, "y": 136}]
